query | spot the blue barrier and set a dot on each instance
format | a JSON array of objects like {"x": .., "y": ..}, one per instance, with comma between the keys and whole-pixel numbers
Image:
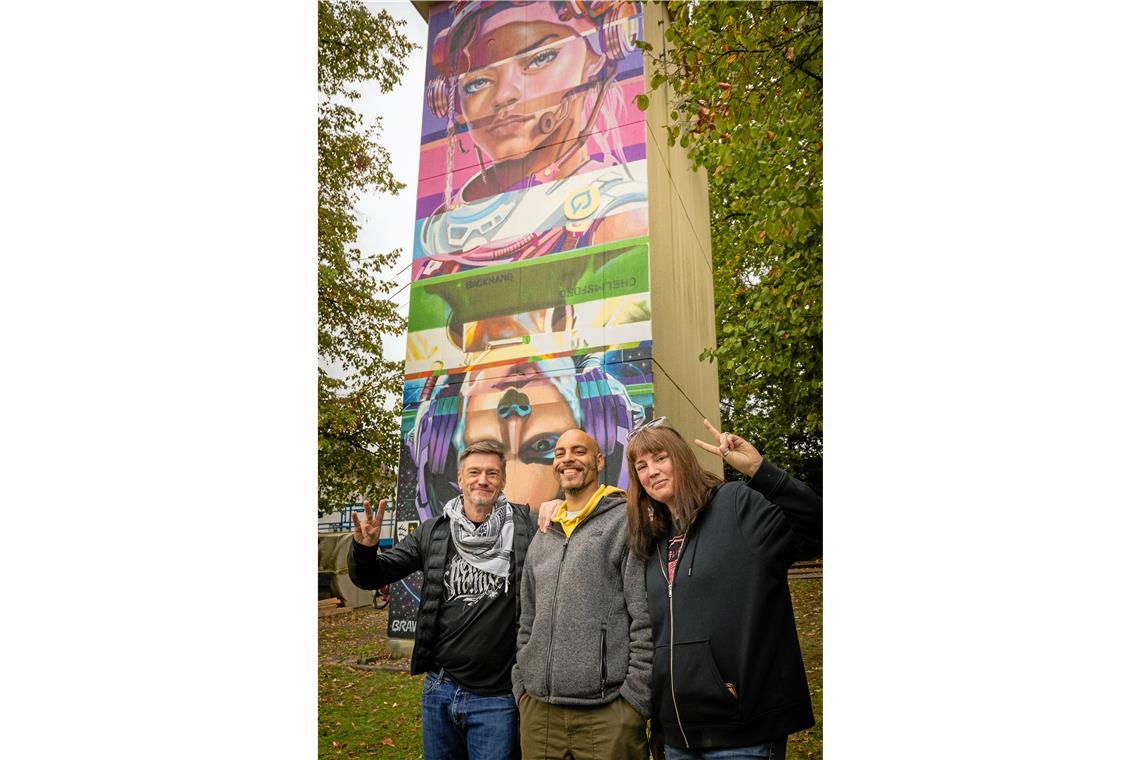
[{"x": 344, "y": 524}]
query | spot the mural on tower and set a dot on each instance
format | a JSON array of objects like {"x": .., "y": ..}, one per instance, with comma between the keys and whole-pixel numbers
[{"x": 529, "y": 311}]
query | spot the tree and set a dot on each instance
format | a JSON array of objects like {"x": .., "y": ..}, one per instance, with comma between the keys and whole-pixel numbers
[
  {"x": 745, "y": 88},
  {"x": 358, "y": 392}
]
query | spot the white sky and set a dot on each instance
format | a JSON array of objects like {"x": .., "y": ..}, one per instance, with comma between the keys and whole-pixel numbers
[{"x": 388, "y": 221}]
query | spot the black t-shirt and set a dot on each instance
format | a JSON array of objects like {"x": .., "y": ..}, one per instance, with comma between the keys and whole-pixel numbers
[{"x": 477, "y": 630}]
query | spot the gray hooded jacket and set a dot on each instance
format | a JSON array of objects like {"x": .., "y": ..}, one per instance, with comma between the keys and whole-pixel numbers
[{"x": 584, "y": 635}]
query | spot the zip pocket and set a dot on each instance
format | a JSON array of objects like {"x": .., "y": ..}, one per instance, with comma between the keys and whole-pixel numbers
[{"x": 603, "y": 660}]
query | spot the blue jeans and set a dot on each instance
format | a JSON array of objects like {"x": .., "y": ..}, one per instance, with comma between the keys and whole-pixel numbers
[
  {"x": 766, "y": 751},
  {"x": 458, "y": 724}
]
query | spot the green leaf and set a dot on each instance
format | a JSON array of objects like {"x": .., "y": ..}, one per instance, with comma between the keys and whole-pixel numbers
[
  {"x": 358, "y": 418},
  {"x": 642, "y": 102},
  {"x": 767, "y": 262}
]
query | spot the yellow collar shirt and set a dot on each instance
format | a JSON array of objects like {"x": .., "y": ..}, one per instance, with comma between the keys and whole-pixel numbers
[{"x": 570, "y": 521}]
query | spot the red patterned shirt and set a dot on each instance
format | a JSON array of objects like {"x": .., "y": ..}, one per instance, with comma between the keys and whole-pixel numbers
[{"x": 674, "y": 553}]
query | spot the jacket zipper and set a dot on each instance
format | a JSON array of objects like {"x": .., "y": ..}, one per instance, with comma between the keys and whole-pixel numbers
[
  {"x": 603, "y": 660},
  {"x": 672, "y": 688},
  {"x": 553, "y": 608}
]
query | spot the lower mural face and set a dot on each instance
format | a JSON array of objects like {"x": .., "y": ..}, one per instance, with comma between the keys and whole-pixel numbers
[
  {"x": 577, "y": 355},
  {"x": 525, "y": 407},
  {"x": 525, "y": 413}
]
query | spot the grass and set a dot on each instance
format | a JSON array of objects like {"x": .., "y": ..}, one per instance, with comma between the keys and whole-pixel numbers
[
  {"x": 368, "y": 714},
  {"x": 376, "y": 714},
  {"x": 807, "y": 598},
  {"x": 364, "y": 714}
]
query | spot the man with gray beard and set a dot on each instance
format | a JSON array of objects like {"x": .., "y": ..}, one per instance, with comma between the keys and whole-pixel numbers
[{"x": 472, "y": 556}]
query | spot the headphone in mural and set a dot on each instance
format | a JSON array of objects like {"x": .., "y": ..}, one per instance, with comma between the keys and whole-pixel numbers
[{"x": 614, "y": 30}]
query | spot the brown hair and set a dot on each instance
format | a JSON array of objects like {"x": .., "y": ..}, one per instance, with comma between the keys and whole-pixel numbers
[
  {"x": 485, "y": 446},
  {"x": 650, "y": 519}
]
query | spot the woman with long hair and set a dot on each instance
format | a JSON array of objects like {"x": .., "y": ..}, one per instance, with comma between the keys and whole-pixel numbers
[{"x": 728, "y": 677}]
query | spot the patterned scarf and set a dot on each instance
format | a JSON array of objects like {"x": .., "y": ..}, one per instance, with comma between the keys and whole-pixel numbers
[{"x": 486, "y": 546}]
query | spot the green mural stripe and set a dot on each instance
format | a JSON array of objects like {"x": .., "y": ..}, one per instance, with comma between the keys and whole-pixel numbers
[
  {"x": 616, "y": 245},
  {"x": 605, "y": 271}
]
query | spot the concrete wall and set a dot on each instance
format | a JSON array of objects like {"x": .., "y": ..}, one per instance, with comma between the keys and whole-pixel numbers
[{"x": 680, "y": 268}]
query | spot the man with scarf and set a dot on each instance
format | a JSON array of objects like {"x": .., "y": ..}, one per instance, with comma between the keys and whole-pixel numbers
[{"x": 472, "y": 556}]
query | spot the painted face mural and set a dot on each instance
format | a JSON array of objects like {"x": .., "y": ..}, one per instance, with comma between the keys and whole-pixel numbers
[
  {"x": 513, "y": 95},
  {"x": 531, "y": 146},
  {"x": 529, "y": 311}
]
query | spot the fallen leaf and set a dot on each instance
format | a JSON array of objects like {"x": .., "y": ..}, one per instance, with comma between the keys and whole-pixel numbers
[{"x": 387, "y": 742}]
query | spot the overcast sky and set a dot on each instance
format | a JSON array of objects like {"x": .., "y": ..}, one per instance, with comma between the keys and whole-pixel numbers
[{"x": 388, "y": 221}]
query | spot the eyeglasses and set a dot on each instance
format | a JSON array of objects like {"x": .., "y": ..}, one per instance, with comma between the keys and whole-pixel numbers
[{"x": 655, "y": 422}]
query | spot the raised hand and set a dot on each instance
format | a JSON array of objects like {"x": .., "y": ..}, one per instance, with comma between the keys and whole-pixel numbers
[
  {"x": 546, "y": 511},
  {"x": 367, "y": 532},
  {"x": 739, "y": 453}
]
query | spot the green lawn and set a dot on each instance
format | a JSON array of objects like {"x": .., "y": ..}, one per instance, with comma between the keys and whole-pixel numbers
[
  {"x": 807, "y": 596},
  {"x": 366, "y": 714},
  {"x": 374, "y": 714}
]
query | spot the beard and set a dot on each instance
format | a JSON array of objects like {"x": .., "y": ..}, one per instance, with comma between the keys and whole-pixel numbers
[
  {"x": 481, "y": 500},
  {"x": 589, "y": 478}
]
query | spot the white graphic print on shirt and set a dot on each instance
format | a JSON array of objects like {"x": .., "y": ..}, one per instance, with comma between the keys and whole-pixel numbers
[{"x": 466, "y": 583}]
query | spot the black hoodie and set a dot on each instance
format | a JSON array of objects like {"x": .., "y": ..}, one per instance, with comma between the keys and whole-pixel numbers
[{"x": 730, "y": 620}]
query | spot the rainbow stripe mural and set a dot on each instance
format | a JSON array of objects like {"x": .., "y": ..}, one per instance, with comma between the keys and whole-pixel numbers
[{"x": 529, "y": 309}]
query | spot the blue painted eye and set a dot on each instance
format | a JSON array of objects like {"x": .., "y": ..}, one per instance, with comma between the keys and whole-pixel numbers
[
  {"x": 542, "y": 59},
  {"x": 539, "y": 450},
  {"x": 475, "y": 85}
]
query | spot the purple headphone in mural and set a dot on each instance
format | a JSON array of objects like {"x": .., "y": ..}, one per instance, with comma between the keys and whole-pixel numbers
[{"x": 599, "y": 403}]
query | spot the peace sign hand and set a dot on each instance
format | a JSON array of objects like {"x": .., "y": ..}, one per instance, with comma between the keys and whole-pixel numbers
[
  {"x": 733, "y": 449},
  {"x": 367, "y": 532}
]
